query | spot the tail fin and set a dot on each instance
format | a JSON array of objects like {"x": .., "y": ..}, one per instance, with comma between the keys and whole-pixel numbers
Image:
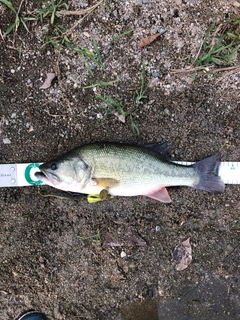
[{"x": 207, "y": 171}]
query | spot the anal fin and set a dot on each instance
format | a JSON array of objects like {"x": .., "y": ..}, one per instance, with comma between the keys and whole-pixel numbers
[{"x": 160, "y": 195}]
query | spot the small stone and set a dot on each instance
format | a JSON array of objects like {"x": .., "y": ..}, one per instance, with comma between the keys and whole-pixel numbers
[
  {"x": 123, "y": 254},
  {"x": 167, "y": 111},
  {"x": 162, "y": 30},
  {"x": 155, "y": 74},
  {"x": 6, "y": 141}
]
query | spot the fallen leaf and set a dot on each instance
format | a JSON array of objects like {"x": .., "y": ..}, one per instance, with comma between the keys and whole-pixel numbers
[
  {"x": 120, "y": 117},
  {"x": 182, "y": 255},
  {"x": 144, "y": 42},
  {"x": 153, "y": 82},
  {"x": 30, "y": 129},
  {"x": 109, "y": 242},
  {"x": 48, "y": 80},
  {"x": 122, "y": 264},
  {"x": 134, "y": 239}
]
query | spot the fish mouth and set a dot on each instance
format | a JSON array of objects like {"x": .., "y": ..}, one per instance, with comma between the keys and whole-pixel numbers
[{"x": 47, "y": 177}]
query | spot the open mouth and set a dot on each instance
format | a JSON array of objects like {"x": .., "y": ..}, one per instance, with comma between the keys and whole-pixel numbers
[
  {"x": 41, "y": 176},
  {"x": 48, "y": 178}
]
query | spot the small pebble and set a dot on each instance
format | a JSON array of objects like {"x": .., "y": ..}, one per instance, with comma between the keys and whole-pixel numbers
[
  {"x": 13, "y": 115},
  {"x": 123, "y": 254},
  {"x": 158, "y": 228},
  {"x": 6, "y": 141},
  {"x": 167, "y": 111},
  {"x": 162, "y": 30},
  {"x": 155, "y": 74}
]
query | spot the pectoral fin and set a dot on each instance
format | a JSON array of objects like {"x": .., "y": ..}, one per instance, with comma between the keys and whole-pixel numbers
[
  {"x": 160, "y": 195},
  {"x": 106, "y": 183}
]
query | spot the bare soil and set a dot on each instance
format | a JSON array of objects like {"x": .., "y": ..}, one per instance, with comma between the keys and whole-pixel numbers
[{"x": 43, "y": 263}]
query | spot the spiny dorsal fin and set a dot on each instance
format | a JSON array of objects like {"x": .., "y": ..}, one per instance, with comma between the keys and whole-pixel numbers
[{"x": 161, "y": 148}]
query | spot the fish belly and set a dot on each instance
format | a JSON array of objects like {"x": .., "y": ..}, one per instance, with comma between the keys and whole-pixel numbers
[{"x": 132, "y": 179}]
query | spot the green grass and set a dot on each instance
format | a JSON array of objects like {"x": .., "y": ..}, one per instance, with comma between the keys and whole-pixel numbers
[
  {"x": 218, "y": 49},
  {"x": 138, "y": 99},
  {"x": 118, "y": 36},
  {"x": 141, "y": 94},
  {"x": 100, "y": 83},
  {"x": 18, "y": 19},
  {"x": 50, "y": 10},
  {"x": 96, "y": 237},
  {"x": 113, "y": 105},
  {"x": 116, "y": 104}
]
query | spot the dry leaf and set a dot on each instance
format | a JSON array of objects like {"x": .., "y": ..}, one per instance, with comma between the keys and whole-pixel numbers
[
  {"x": 144, "y": 42},
  {"x": 30, "y": 129},
  {"x": 48, "y": 81},
  {"x": 120, "y": 117},
  {"x": 134, "y": 239},
  {"x": 182, "y": 255},
  {"x": 153, "y": 83},
  {"x": 109, "y": 242}
]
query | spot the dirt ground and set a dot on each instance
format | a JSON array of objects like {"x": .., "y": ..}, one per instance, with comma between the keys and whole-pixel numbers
[{"x": 43, "y": 263}]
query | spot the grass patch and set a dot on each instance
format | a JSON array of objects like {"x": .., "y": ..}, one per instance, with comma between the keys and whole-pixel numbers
[
  {"x": 113, "y": 105},
  {"x": 138, "y": 99},
  {"x": 141, "y": 94},
  {"x": 50, "y": 9},
  {"x": 100, "y": 83},
  {"x": 96, "y": 237},
  {"x": 118, "y": 36},
  {"x": 218, "y": 49},
  {"x": 18, "y": 19}
]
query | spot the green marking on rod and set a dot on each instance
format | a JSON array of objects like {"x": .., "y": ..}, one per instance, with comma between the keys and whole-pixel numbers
[{"x": 27, "y": 174}]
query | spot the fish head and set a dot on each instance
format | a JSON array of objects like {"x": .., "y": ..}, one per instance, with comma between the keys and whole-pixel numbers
[{"x": 66, "y": 173}]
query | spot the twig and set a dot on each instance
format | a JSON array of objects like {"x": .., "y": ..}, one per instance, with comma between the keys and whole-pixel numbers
[
  {"x": 228, "y": 74},
  {"x": 201, "y": 69},
  {"x": 89, "y": 11},
  {"x": 227, "y": 256},
  {"x": 54, "y": 115},
  {"x": 58, "y": 74},
  {"x": 187, "y": 70},
  {"x": 1, "y": 34},
  {"x": 74, "y": 13},
  {"x": 197, "y": 54},
  {"x": 19, "y": 8}
]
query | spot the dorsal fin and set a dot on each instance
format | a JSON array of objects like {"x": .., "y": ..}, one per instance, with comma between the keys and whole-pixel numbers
[{"x": 161, "y": 148}]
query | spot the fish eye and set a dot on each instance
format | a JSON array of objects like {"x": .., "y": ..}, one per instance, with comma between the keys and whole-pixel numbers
[{"x": 54, "y": 166}]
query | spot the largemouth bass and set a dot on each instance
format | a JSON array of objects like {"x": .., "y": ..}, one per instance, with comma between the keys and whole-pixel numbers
[{"x": 125, "y": 170}]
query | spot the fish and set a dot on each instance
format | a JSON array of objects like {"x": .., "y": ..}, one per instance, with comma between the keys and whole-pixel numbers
[{"x": 126, "y": 170}]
